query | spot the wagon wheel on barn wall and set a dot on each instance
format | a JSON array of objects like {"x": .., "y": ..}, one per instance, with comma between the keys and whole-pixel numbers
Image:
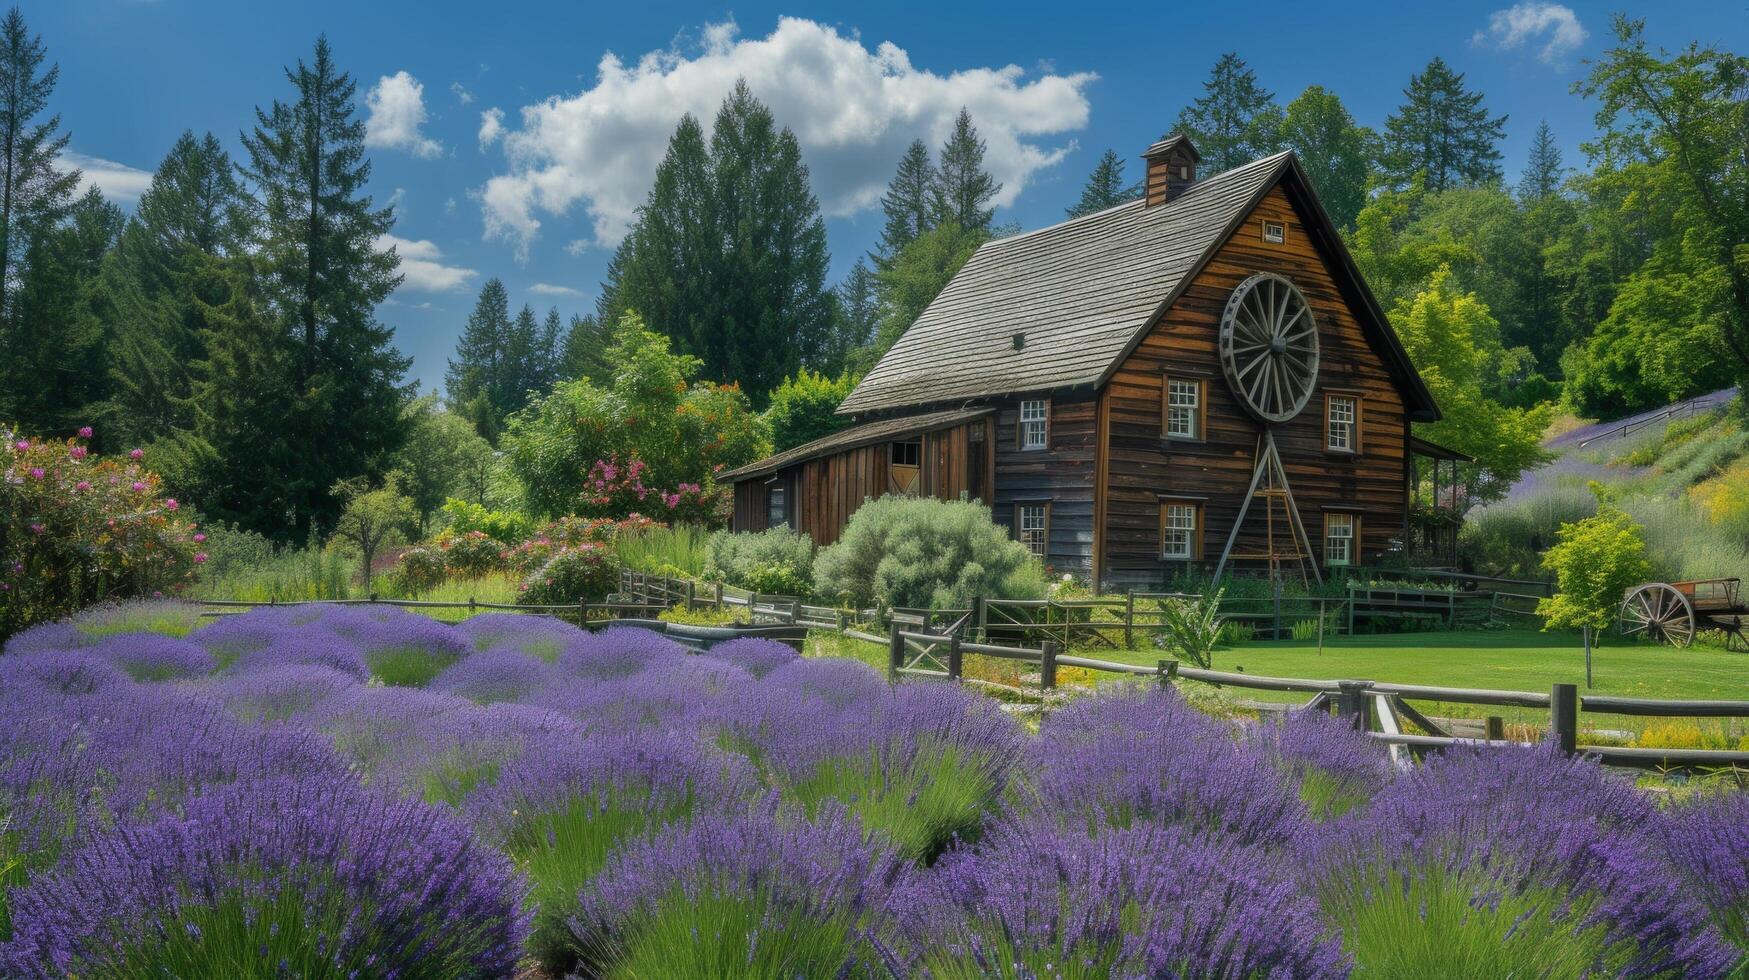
[
  {"x": 1658, "y": 612},
  {"x": 1269, "y": 353}
]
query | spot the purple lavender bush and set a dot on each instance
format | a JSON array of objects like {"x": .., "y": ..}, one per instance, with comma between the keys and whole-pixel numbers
[
  {"x": 154, "y": 657},
  {"x": 763, "y": 893},
  {"x": 1707, "y": 842},
  {"x": 756, "y": 655},
  {"x": 1509, "y": 862},
  {"x": 309, "y": 878},
  {"x": 1336, "y": 766},
  {"x": 1037, "y": 900}
]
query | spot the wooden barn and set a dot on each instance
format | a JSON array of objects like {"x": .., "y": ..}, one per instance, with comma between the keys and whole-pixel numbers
[{"x": 1198, "y": 377}]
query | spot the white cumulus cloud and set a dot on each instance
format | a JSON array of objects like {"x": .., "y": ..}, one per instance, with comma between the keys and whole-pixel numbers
[
  {"x": 397, "y": 110},
  {"x": 1533, "y": 22},
  {"x": 119, "y": 182},
  {"x": 491, "y": 126},
  {"x": 548, "y": 289},
  {"x": 423, "y": 267},
  {"x": 853, "y": 109}
]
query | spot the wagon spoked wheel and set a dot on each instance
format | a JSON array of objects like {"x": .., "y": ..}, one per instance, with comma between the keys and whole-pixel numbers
[
  {"x": 1269, "y": 347},
  {"x": 1660, "y": 613}
]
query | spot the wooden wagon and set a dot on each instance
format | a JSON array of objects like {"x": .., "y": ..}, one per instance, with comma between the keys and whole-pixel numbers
[{"x": 1673, "y": 612}]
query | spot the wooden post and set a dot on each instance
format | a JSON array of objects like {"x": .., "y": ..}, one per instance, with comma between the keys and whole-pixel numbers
[
  {"x": 1168, "y": 670},
  {"x": 719, "y": 596},
  {"x": 895, "y": 651},
  {"x": 1129, "y": 620},
  {"x": 1352, "y": 702},
  {"x": 752, "y": 608},
  {"x": 1350, "y": 607},
  {"x": 470, "y": 605},
  {"x": 690, "y": 590},
  {"x": 976, "y": 619},
  {"x": 1047, "y": 666},
  {"x": 1564, "y": 717},
  {"x": 1275, "y": 580},
  {"x": 373, "y": 597},
  {"x": 1320, "y": 627},
  {"x": 955, "y": 657},
  {"x": 1587, "y": 634},
  {"x": 1496, "y": 728},
  {"x": 582, "y": 613}
]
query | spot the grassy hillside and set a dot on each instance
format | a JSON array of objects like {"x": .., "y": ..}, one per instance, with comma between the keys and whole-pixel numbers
[{"x": 1685, "y": 478}]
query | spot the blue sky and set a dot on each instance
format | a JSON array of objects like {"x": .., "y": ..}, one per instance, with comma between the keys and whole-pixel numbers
[{"x": 538, "y": 191}]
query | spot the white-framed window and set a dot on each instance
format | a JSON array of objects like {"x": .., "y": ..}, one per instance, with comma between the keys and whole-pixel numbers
[
  {"x": 1183, "y": 408},
  {"x": 1035, "y": 416},
  {"x": 1274, "y": 232},
  {"x": 776, "y": 505},
  {"x": 1180, "y": 527},
  {"x": 1342, "y": 423},
  {"x": 1032, "y": 524},
  {"x": 1339, "y": 539}
]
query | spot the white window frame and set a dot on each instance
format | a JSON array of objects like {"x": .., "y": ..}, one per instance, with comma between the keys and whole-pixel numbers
[
  {"x": 1032, "y": 527},
  {"x": 1178, "y": 539},
  {"x": 1340, "y": 540},
  {"x": 1280, "y": 235},
  {"x": 1183, "y": 418},
  {"x": 1342, "y": 435},
  {"x": 1035, "y": 424}
]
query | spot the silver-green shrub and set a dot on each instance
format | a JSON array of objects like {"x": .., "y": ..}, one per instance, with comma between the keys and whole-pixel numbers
[{"x": 925, "y": 553}]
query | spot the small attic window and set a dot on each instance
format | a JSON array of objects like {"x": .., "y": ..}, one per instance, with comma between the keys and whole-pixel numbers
[
  {"x": 1274, "y": 232},
  {"x": 1020, "y": 341}
]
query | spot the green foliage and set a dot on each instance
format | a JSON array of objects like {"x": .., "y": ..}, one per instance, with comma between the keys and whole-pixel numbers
[
  {"x": 1595, "y": 562},
  {"x": 283, "y": 574},
  {"x": 1305, "y": 629},
  {"x": 721, "y": 933},
  {"x": 373, "y": 517},
  {"x": 1234, "y": 121},
  {"x": 925, "y": 553},
  {"x": 472, "y": 554},
  {"x": 962, "y": 186},
  {"x": 441, "y": 451},
  {"x": 418, "y": 570},
  {"x": 586, "y": 571},
  {"x": 500, "y": 361},
  {"x": 651, "y": 411},
  {"x": 76, "y": 530},
  {"x": 1192, "y": 628},
  {"x": 776, "y": 561},
  {"x": 702, "y": 616},
  {"x": 1106, "y": 187},
  {"x": 1334, "y": 150},
  {"x": 804, "y": 408},
  {"x": 167, "y": 617},
  {"x": 1508, "y": 538},
  {"x": 685, "y": 549},
  {"x": 505, "y": 526},
  {"x": 1442, "y": 134},
  {"x": 407, "y": 666},
  {"x": 916, "y": 275},
  {"x": 923, "y": 801}
]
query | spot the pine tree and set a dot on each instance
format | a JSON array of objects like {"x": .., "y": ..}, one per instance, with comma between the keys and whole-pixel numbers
[
  {"x": 1543, "y": 172},
  {"x": 548, "y": 349},
  {"x": 962, "y": 186},
  {"x": 1105, "y": 188},
  {"x": 481, "y": 354},
  {"x": 1334, "y": 151},
  {"x": 584, "y": 353},
  {"x": 323, "y": 276},
  {"x": 906, "y": 203},
  {"x": 1235, "y": 121},
  {"x": 522, "y": 359},
  {"x": 859, "y": 314},
  {"x": 1443, "y": 132},
  {"x": 192, "y": 215},
  {"x": 55, "y": 365},
  {"x": 33, "y": 194}
]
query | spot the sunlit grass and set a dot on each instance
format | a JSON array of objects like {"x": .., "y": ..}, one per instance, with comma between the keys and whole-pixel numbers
[{"x": 407, "y": 666}]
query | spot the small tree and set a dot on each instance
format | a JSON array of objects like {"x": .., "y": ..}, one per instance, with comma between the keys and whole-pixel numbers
[
  {"x": 1191, "y": 627},
  {"x": 1595, "y": 562},
  {"x": 373, "y": 518},
  {"x": 805, "y": 407}
]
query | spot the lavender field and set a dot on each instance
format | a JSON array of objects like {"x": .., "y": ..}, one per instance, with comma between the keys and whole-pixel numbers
[{"x": 362, "y": 792}]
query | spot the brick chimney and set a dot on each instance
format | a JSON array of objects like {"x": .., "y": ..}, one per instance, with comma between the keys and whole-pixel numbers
[{"x": 1171, "y": 169}]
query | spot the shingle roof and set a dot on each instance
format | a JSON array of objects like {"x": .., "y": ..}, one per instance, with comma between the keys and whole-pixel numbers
[
  {"x": 850, "y": 438},
  {"x": 1079, "y": 291}
]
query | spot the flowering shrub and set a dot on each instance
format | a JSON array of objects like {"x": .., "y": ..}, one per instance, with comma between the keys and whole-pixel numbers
[
  {"x": 570, "y": 532},
  {"x": 76, "y": 529},
  {"x": 419, "y": 569},
  {"x": 472, "y": 554},
  {"x": 614, "y": 488},
  {"x": 586, "y": 571}
]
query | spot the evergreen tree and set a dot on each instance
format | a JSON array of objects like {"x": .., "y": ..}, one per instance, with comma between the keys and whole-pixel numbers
[
  {"x": 1235, "y": 121},
  {"x": 192, "y": 216},
  {"x": 522, "y": 362},
  {"x": 548, "y": 349},
  {"x": 728, "y": 257},
  {"x": 33, "y": 194},
  {"x": 915, "y": 277},
  {"x": 584, "y": 354},
  {"x": 1106, "y": 187},
  {"x": 1543, "y": 172},
  {"x": 962, "y": 186},
  {"x": 323, "y": 276},
  {"x": 54, "y": 365},
  {"x": 1334, "y": 151},
  {"x": 906, "y": 203},
  {"x": 859, "y": 316},
  {"x": 479, "y": 362},
  {"x": 1443, "y": 132}
]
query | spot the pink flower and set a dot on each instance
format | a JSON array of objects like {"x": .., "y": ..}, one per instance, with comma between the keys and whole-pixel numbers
[
  {"x": 37, "y": 529},
  {"x": 22, "y": 445},
  {"x": 85, "y": 432},
  {"x": 36, "y": 472},
  {"x": 200, "y": 558},
  {"x": 199, "y": 538},
  {"x": 170, "y": 503},
  {"x": 77, "y": 452},
  {"x": 82, "y": 485},
  {"x": 136, "y": 454},
  {"x": 139, "y": 487}
]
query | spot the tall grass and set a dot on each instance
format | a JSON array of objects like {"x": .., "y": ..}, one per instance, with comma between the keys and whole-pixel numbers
[
  {"x": 681, "y": 551},
  {"x": 288, "y": 575}
]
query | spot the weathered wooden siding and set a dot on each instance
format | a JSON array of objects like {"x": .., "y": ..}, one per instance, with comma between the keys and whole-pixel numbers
[
  {"x": 826, "y": 490},
  {"x": 1063, "y": 474},
  {"x": 1141, "y": 466}
]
